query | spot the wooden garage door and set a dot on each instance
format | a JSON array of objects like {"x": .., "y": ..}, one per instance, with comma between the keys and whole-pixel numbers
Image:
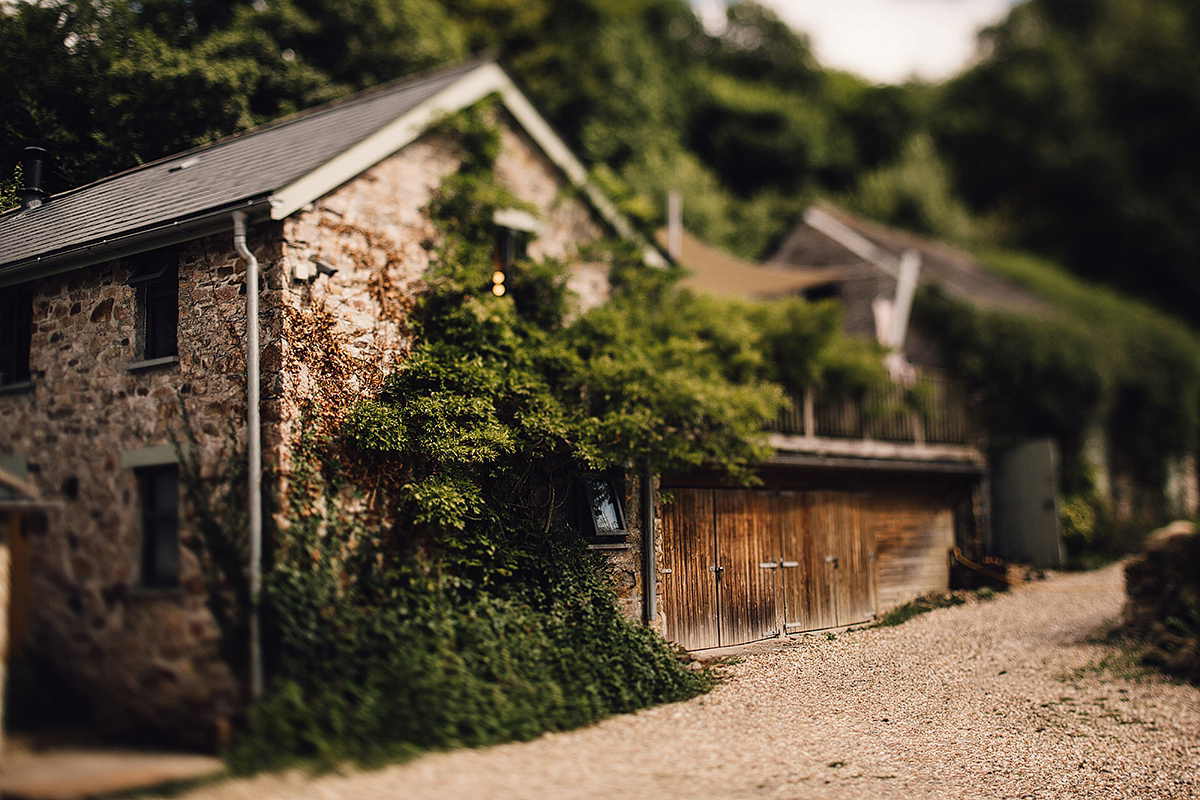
[
  {"x": 689, "y": 586},
  {"x": 747, "y": 528},
  {"x": 743, "y": 565},
  {"x": 914, "y": 533}
]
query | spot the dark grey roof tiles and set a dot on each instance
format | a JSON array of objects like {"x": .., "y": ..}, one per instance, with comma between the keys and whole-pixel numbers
[{"x": 237, "y": 169}]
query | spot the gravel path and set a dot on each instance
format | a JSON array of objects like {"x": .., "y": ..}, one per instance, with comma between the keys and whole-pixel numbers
[{"x": 1009, "y": 698}]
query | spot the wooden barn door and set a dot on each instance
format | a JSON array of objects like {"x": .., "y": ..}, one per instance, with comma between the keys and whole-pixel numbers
[
  {"x": 806, "y": 581},
  {"x": 719, "y": 563},
  {"x": 689, "y": 582},
  {"x": 740, "y": 565},
  {"x": 747, "y": 532},
  {"x": 843, "y": 557}
]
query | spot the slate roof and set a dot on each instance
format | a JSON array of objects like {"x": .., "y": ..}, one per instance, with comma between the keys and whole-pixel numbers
[
  {"x": 957, "y": 272},
  {"x": 233, "y": 172}
]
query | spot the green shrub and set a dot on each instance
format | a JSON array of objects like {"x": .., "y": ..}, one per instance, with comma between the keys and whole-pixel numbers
[{"x": 457, "y": 605}]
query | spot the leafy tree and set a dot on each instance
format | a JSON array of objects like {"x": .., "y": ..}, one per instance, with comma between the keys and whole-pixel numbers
[
  {"x": 1079, "y": 126},
  {"x": 914, "y": 193},
  {"x": 105, "y": 85}
]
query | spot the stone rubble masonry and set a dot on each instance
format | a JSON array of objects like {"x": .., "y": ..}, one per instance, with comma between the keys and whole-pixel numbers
[
  {"x": 1162, "y": 607},
  {"x": 149, "y": 660}
]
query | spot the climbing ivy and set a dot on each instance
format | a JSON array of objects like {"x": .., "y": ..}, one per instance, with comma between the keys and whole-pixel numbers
[
  {"x": 430, "y": 588},
  {"x": 1093, "y": 362}
]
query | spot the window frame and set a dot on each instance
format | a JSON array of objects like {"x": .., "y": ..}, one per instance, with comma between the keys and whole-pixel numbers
[
  {"x": 587, "y": 511},
  {"x": 16, "y": 335},
  {"x": 509, "y": 246},
  {"x": 158, "y": 526},
  {"x": 156, "y": 280}
]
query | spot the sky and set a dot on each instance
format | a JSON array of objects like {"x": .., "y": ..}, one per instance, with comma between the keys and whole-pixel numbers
[{"x": 886, "y": 41}]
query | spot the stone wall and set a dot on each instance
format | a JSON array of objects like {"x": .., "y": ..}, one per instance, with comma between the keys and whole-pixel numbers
[
  {"x": 1162, "y": 586},
  {"x": 148, "y": 658},
  {"x": 343, "y": 333}
]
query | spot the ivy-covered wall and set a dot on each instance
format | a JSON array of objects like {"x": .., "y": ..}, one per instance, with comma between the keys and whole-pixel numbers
[{"x": 1114, "y": 382}]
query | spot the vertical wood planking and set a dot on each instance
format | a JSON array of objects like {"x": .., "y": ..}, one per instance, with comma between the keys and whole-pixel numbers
[
  {"x": 801, "y": 606},
  {"x": 839, "y": 530},
  {"x": 860, "y": 566},
  {"x": 746, "y": 537},
  {"x": 913, "y": 535},
  {"x": 689, "y": 590},
  {"x": 821, "y": 524}
]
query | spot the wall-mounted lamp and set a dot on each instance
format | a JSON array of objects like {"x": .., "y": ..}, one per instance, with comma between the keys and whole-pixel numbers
[{"x": 304, "y": 272}]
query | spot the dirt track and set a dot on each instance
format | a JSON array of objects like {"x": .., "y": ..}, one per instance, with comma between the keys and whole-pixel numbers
[{"x": 1010, "y": 698}]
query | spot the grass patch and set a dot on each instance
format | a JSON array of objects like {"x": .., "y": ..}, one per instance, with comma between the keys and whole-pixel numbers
[{"x": 915, "y": 608}]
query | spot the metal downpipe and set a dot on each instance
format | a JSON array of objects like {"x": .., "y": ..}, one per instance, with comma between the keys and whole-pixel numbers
[{"x": 253, "y": 448}]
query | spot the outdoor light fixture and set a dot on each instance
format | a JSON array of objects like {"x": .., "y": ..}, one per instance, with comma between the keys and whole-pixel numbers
[
  {"x": 324, "y": 267},
  {"x": 498, "y": 283},
  {"x": 319, "y": 267}
]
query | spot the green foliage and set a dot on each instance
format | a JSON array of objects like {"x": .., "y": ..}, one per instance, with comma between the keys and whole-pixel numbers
[
  {"x": 10, "y": 189},
  {"x": 915, "y": 608},
  {"x": 914, "y": 193},
  {"x": 1078, "y": 127},
  {"x": 1094, "y": 360},
  {"x": 1077, "y": 519}
]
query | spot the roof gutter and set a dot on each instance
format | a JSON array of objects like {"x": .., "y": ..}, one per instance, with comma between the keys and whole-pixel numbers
[{"x": 214, "y": 221}]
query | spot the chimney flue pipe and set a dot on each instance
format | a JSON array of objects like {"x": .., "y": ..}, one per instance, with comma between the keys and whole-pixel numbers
[{"x": 33, "y": 168}]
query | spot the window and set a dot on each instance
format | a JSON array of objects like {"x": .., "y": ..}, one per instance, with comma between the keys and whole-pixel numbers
[
  {"x": 514, "y": 229},
  {"x": 601, "y": 515},
  {"x": 158, "y": 491},
  {"x": 16, "y": 327},
  {"x": 156, "y": 278},
  {"x": 510, "y": 247}
]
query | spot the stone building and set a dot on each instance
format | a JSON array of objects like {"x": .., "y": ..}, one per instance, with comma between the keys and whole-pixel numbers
[{"x": 123, "y": 346}]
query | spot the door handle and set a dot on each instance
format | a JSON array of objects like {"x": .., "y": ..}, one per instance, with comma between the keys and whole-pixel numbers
[
  {"x": 768, "y": 565},
  {"x": 831, "y": 560},
  {"x": 789, "y": 564},
  {"x": 716, "y": 569}
]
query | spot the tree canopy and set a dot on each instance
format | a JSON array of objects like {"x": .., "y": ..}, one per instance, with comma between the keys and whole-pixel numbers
[
  {"x": 1072, "y": 136},
  {"x": 1080, "y": 129}
]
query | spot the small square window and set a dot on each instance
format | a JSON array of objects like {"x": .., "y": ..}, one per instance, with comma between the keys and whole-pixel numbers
[
  {"x": 158, "y": 492},
  {"x": 16, "y": 329},
  {"x": 510, "y": 247},
  {"x": 602, "y": 516},
  {"x": 157, "y": 280}
]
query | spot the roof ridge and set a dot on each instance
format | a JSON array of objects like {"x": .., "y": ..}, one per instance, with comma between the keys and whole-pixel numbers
[{"x": 872, "y": 227}]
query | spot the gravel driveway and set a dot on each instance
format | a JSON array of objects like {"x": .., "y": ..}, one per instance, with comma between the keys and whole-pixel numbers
[{"x": 1009, "y": 698}]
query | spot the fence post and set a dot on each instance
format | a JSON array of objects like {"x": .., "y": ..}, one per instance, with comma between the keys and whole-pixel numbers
[{"x": 810, "y": 421}]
